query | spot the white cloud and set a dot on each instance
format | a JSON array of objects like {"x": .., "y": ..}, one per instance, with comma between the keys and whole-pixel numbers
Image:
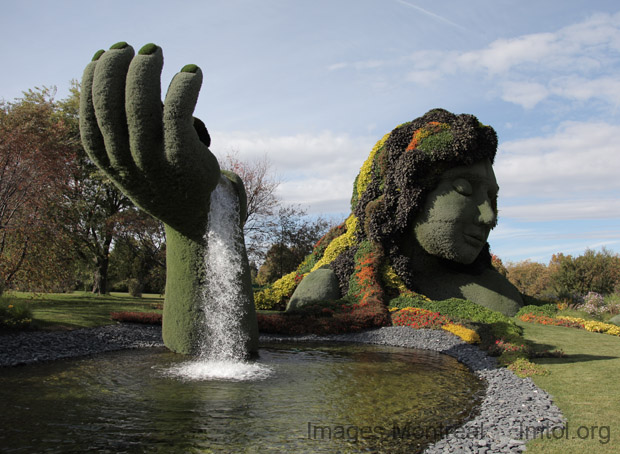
[
  {"x": 582, "y": 89},
  {"x": 504, "y": 54},
  {"x": 316, "y": 170},
  {"x": 525, "y": 94},
  {"x": 596, "y": 208},
  {"x": 579, "y": 158},
  {"x": 578, "y": 62}
]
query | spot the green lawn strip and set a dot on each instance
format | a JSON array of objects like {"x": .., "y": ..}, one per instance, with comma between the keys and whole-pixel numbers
[
  {"x": 81, "y": 309},
  {"x": 585, "y": 386}
]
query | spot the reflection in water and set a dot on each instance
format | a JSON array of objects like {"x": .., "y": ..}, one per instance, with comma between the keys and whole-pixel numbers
[{"x": 319, "y": 398}]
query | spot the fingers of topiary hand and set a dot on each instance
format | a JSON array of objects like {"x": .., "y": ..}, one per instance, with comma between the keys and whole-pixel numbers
[
  {"x": 89, "y": 130},
  {"x": 182, "y": 142},
  {"x": 144, "y": 109},
  {"x": 109, "y": 103}
]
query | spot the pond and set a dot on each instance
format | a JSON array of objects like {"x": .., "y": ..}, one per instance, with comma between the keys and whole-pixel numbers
[{"x": 307, "y": 398}]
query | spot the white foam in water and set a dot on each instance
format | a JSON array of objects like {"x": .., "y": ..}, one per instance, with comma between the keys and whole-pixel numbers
[
  {"x": 220, "y": 370},
  {"x": 222, "y": 350}
]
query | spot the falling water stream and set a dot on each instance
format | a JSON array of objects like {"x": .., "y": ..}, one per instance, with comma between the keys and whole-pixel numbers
[{"x": 222, "y": 346}]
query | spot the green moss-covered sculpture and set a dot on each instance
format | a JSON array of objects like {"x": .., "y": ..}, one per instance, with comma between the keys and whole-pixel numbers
[
  {"x": 158, "y": 156},
  {"x": 424, "y": 201}
]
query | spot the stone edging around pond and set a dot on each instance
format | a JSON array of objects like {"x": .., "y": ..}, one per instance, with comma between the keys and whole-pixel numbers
[{"x": 513, "y": 410}]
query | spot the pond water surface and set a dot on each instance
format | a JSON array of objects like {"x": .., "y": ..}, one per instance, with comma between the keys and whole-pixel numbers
[{"x": 315, "y": 398}]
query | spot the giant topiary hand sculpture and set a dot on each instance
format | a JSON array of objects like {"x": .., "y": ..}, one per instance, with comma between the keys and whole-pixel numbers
[{"x": 158, "y": 156}]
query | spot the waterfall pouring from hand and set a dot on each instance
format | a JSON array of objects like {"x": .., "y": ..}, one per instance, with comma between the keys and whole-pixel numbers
[
  {"x": 222, "y": 350},
  {"x": 224, "y": 339}
]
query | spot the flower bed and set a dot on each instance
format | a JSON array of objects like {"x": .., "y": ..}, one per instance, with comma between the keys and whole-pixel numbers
[
  {"x": 546, "y": 320},
  {"x": 573, "y": 322},
  {"x": 594, "y": 326},
  {"x": 147, "y": 318}
]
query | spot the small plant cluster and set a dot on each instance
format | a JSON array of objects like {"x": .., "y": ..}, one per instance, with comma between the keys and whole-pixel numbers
[
  {"x": 522, "y": 367},
  {"x": 594, "y": 304},
  {"x": 147, "y": 318},
  {"x": 548, "y": 310},
  {"x": 417, "y": 318},
  {"x": 572, "y": 322},
  {"x": 502, "y": 346},
  {"x": 14, "y": 315},
  {"x": 488, "y": 324}
]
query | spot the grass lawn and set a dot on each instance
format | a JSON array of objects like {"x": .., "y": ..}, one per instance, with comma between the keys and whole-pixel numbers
[
  {"x": 81, "y": 309},
  {"x": 585, "y": 385}
]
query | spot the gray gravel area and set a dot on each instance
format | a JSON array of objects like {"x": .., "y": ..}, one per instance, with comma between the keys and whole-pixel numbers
[
  {"x": 513, "y": 410},
  {"x": 28, "y": 347}
]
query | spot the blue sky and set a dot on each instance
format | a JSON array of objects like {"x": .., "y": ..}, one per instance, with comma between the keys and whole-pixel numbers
[{"x": 314, "y": 84}]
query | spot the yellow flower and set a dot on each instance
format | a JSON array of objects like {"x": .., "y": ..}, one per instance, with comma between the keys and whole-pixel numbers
[
  {"x": 468, "y": 335},
  {"x": 365, "y": 175},
  {"x": 10, "y": 306},
  {"x": 339, "y": 244}
]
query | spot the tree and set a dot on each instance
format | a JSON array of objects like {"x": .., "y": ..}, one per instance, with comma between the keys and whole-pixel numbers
[
  {"x": 260, "y": 184},
  {"x": 92, "y": 207},
  {"x": 293, "y": 236},
  {"x": 55, "y": 206},
  {"x": 36, "y": 151},
  {"x": 591, "y": 272},
  {"x": 530, "y": 278},
  {"x": 139, "y": 253}
]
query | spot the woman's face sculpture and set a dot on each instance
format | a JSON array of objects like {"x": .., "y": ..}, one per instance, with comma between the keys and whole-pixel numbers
[{"x": 459, "y": 213}]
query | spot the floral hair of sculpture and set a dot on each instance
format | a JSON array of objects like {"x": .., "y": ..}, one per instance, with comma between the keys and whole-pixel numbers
[
  {"x": 403, "y": 167},
  {"x": 389, "y": 191}
]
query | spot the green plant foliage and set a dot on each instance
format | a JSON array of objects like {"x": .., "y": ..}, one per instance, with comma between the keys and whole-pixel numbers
[
  {"x": 524, "y": 368},
  {"x": 148, "y": 49},
  {"x": 134, "y": 287},
  {"x": 550, "y": 310},
  {"x": 14, "y": 314},
  {"x": 403, "y": 301}
]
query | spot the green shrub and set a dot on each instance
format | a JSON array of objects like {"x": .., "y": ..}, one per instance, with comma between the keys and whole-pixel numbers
[
  {"x": 404, "y": 301},
  {"x": 14, "y": 315},
  {"x": 523, "y": 368},
  {"x": 134, "y": 287},
  {"x": 550, "y": 310}
]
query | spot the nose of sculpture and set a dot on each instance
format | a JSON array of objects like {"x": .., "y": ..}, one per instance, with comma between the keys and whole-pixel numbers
[{"x": 486, "y": 214}]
